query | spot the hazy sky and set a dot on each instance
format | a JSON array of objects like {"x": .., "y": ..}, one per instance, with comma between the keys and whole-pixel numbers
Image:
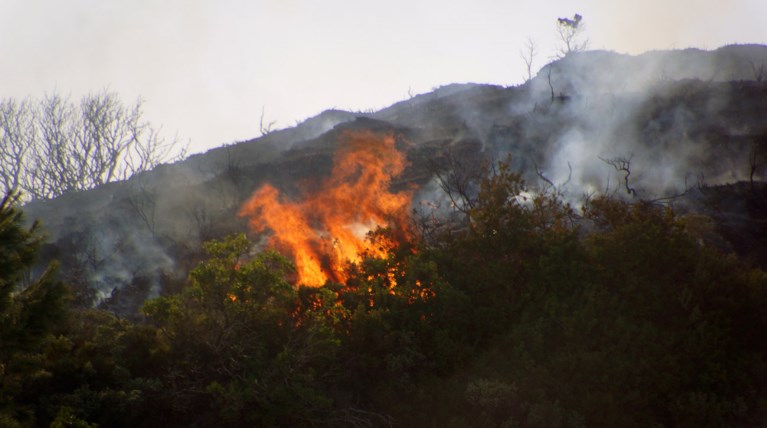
[{"x": 207, "y": 68}]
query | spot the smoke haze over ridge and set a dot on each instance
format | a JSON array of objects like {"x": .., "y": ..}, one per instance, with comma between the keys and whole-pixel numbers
[
  {"x": 683, "y": 118},
  {"x": 207, "y": 69}
]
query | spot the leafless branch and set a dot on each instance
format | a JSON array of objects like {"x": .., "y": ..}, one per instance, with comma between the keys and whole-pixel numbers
[
  {"x": 144, "y": 202},
  {"x": 459, "y": 179},
  {"x": 622, "y": 164},
  {"x": 265, "y": 128},
  {"x": 52, "y": 146},
  {"x": 528, "y": 54},
  {"x": 551, "y": 186},
  {"x": 539, "y": 173}
]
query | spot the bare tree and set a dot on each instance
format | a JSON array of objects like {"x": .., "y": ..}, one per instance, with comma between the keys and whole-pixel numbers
[
  {"x": 18, "y": 134},
  {"x": 458, "y": 175},
  {"x": 52, "y": 146},
  {"x": 528, "y": 54},
  {"x": 550, "y": 187},
  {"x": 571, "y": 35},
  {"x": 622, "y": 164},
  {"x": 265, "y": 128},
  {"x": 143, "y": 200}
]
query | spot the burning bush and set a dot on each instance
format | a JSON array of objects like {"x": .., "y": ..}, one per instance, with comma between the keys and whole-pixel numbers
[{"x": 325, "y": 229}]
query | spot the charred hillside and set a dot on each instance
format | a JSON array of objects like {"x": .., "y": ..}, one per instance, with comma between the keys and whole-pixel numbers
[
  {"x": 586, "y": 249},
  {"x": 689, "y": 126}
]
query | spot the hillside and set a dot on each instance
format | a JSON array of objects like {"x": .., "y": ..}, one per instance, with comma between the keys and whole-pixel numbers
[
  {"x": 585, "y": 249},
  {"x": 689, "y": 121}
]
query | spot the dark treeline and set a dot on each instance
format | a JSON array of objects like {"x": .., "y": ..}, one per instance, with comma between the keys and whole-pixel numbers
[{"x": 528, "y": 314}]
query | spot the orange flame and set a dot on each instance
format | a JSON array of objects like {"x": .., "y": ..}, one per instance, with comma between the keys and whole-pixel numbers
[{"x": 327, "y": 228}]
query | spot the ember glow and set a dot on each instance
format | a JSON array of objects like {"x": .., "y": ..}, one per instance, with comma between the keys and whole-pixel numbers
[{"x": 324, "y": 230}]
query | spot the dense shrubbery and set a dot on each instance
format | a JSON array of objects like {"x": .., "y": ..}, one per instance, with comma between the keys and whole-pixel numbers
[{"x": 530, "y": 315}]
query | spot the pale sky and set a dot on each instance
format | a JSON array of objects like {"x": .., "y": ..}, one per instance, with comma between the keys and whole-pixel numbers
[{"x": 207, "y": 68}]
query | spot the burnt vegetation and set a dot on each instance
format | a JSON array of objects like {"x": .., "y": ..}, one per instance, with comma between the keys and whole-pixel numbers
[{"x": 562, "y": 269}]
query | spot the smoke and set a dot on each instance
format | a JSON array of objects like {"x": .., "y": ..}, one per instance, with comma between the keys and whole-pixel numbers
[
  {"x": 672, "y": 119},
  {"x": 666, "y": 118},
  {"x": 116, "y": 256},
  {"x": 668, "y": 121}
]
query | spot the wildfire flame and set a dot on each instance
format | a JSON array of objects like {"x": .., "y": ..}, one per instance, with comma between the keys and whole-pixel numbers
[{"x": 325, "y": 229}]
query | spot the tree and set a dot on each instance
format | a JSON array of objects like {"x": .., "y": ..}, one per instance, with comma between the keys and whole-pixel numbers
[
  {"x": 618, "y": 316},
  {"x": 570, "y": 34},
  {"x": 528, "y": 53},
  {"x": 622, "y": 164},
  {"x": 265, "y": 128},
  {"x": 52, "y": 146},
  {"x": 20, "y": 294},
  {"x": 242, "y": 353},
  {"x": 30, "y": 307}
]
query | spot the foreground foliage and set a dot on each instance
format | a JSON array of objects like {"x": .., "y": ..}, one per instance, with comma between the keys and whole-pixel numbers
[
  {"x": 530, "y": 315},
  {"x": 29, "y": 310}
]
